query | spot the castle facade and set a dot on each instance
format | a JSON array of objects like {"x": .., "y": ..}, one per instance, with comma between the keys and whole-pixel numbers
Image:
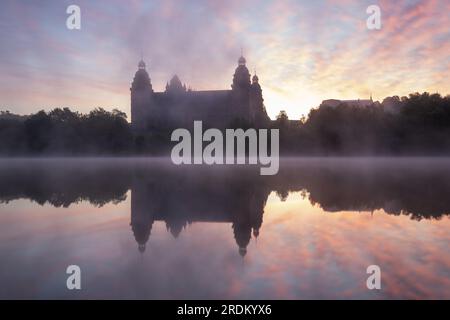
[{"x": 179, "y": 107}]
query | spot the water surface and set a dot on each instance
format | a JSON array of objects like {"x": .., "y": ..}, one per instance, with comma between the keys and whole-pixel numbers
[{"x": 146, "y": 229}]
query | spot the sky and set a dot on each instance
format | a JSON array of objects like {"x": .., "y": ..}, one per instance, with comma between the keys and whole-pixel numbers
[{"x": 303, "y": 51}]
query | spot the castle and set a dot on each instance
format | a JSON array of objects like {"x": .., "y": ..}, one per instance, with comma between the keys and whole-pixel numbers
[{"x": 178, "y": 107}]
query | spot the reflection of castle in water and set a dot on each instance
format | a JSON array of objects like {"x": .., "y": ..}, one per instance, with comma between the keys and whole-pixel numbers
[
  {"x": 181, "y": 202},
  {"x": 179, "y": 196}
]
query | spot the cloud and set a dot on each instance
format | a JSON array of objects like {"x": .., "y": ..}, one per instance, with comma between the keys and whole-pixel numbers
[{"x": 303, "y": 51}]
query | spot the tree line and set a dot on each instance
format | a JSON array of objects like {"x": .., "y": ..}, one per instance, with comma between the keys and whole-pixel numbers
[
  {"x": 415, "y": 125},
  {"x": 62, "y": 131}
]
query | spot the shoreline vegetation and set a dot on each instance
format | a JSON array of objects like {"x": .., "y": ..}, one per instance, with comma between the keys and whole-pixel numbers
[{"x": 417, "y": 125}]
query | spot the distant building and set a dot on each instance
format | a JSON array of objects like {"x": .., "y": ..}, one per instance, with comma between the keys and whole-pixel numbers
[
  {"x": 361, "y": 103},
  {"x": 179, "y": 106}
]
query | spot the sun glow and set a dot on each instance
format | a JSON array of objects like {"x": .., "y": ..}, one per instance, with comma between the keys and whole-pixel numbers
[{"x": 296, "y": 102}]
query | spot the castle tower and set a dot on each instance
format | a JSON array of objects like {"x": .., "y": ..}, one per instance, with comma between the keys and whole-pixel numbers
[
  {"x": 141, "y": 214},
  {"x": 141, "y": 96},
  {"x": 242, "y": 231},
  {"x": 241, "y": 90},
  {"x": 241, "y": 78},
  {"x": 258, "y": 114}
]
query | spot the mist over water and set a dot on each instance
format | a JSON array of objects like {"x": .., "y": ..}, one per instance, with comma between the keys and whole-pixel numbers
[{"x": 145, "y": 228}]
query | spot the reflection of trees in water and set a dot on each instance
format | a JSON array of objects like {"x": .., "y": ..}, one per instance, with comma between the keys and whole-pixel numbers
[
  {"x": 283, "y": 194},
  {"x": 420, "y": 191},
  {"x": 62, "y": 183},
  {"x": 179, "y": 196}
]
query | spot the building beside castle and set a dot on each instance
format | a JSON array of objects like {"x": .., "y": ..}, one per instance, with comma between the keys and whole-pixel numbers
[
  {"x": 359, "y": 103},
  {"x": 178, "y": 106}
]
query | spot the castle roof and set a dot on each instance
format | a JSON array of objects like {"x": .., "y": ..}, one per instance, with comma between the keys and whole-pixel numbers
[{"x": 352, "y": 103}]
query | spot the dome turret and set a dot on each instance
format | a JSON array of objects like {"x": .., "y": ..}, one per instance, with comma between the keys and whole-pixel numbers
[
  {"x": 255, "y": 79},
  {"x": 242, "y": 235},
  {"x": 141, "y": 233},
  {"x": 141, "y": 78},
  {"x": 242, "y": 61},
  {"x": 241, "y": 78}
]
